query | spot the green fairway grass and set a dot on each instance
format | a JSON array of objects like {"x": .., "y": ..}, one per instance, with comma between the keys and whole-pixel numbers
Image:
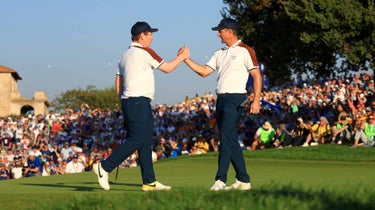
[{"x": 323, "y": 177}]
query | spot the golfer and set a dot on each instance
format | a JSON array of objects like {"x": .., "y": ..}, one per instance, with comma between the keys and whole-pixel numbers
[
  {"x": 233, "y": 64},
  {"x": 135, "y": 86}
]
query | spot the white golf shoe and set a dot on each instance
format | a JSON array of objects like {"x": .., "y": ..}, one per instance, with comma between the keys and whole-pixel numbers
[
  {"x": 102, "y": 176},
  {"x": 219, "y": 185},
  {"x": 238, "y": 185}
]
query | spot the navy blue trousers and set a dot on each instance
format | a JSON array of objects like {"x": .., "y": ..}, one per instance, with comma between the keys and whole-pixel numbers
[
  {"x": 139, "y": 126},
  {"x": 228, "y": 112}
]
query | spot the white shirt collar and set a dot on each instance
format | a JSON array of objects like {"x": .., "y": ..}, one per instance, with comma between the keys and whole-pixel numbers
[
  {"x": 235, "y": 45},
  {"x": 133, "y": 44}
]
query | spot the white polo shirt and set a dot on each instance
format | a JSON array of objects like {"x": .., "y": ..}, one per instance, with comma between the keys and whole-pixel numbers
[
  {"x": 233, "y": 65},
  {"x": 137, "y": 67}
]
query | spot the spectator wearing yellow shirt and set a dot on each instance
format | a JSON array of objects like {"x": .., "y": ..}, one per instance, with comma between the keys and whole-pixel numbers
[
  {"x": 201, "y": 146},
  {"x": 319, "y": 133}
]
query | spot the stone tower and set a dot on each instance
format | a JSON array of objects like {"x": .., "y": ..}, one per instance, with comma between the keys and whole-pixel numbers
[{"x": 11, "y": 101}]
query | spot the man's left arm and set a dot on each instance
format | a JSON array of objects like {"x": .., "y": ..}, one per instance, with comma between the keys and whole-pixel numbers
[{"x": 257, "y": 86}]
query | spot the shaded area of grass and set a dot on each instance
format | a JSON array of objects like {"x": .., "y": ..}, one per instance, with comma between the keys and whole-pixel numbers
[
  {"x": 272, "y": 196},
  {"x": 323, "y": 177}
]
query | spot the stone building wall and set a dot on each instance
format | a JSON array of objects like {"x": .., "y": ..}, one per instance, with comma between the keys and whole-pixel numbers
[{"x": 11, "y": 101}]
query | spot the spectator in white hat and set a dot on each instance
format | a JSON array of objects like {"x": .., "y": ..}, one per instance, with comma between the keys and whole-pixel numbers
[
  {"x": 264, "y": 137},
  {"x": 74, "y": 166}
]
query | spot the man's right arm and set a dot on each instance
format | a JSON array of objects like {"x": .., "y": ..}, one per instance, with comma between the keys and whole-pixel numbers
[
  {"x": 119, "y": 85},
  {"x": 202, "y": 71},
  {"x": 182, "y": 54}
]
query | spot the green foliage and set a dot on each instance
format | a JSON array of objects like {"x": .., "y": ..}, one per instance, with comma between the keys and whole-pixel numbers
[
  {"x": 105, "y": 99},
  {"x": 319, "y": 37}
]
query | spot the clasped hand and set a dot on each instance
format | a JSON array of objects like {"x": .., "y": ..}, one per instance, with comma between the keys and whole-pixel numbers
[{"x": 184, "y": 52}]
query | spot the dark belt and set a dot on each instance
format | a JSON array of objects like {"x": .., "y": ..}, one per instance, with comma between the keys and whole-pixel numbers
[
  {"x": 228, "y": 94},
  {"x": 139, "y": 97}
]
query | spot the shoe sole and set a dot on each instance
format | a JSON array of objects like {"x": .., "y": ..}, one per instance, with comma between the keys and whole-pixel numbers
[
  {"x": 219, "y": 189},
  {"x": 150, "y": 189},
  {"x": 156, "y": 186},
  {"x": 231, "y": 188}
]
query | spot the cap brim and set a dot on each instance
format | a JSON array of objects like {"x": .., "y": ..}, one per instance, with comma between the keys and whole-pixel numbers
[
  {"x": 154, "y": 30},
  {"x": 216, "y": 28}
]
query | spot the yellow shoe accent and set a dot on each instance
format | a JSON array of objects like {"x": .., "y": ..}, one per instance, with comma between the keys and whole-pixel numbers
[{"x": 155, "y": 186}]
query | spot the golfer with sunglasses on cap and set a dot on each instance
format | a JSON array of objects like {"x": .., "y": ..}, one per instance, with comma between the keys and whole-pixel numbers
[{"x": 233, "y": 64}]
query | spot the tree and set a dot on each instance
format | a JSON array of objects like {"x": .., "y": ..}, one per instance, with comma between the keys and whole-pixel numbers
[
  {"x": 105, "y": 99},
  {"x": 318, "y": 37}
]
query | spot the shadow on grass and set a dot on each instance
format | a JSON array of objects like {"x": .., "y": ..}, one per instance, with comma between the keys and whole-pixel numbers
[
  {"x": 85, "y": 186},
  {"x": 287, "y": 195},
  {"x": 327, "y": 199}
]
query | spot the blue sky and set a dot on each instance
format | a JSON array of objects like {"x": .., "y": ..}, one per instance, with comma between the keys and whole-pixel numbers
[{"x": 56, "y": 46}]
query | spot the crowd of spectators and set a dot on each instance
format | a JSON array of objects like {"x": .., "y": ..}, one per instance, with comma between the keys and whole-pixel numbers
[{"x": 299, "y": 113}]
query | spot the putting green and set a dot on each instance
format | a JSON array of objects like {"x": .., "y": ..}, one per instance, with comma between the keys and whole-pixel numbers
[{"x": 199, "y": 172}]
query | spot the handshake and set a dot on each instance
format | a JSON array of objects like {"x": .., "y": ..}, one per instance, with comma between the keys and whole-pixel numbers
[{"x": 184, "y": 53}]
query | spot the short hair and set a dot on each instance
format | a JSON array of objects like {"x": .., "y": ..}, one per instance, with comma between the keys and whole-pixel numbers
[
  {"x": 235, "y": 32},
  {"x": 137, "y": 37}
]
